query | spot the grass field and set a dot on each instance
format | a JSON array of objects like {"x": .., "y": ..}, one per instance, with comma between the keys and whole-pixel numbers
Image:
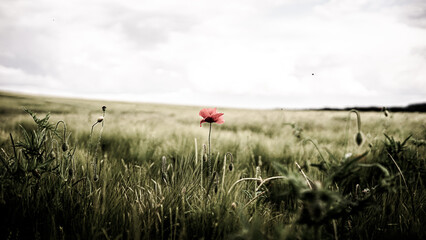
[{"x": 144, "y": 174}]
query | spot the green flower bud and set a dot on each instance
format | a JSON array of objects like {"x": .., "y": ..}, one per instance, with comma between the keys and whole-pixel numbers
[
  {"x": 64, "y": 147},
  {"x": 234, "y": 205},
  {"x": 231, "y": 167},
  {"x": 386, "y": 112},
  {"x": 359, "y": 139}
]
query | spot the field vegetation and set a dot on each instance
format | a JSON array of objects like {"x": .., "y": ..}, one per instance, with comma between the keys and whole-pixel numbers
[{"x": 143, "y": 171}]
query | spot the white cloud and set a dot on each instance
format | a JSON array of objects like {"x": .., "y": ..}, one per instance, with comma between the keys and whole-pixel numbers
[{"x": 231, "y": 51}]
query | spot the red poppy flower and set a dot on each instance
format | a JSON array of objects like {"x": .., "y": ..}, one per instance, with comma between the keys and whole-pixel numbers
[{"x": 211, "y": 116}]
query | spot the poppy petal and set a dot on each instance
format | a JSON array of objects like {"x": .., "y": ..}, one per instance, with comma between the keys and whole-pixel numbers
[
  {"x": 211, "y": 111},
  {"x": 210, "y": 115},
  {"x": 204, "y": 113},
  {"x": 216, "y": 116},
  {"x": 220, "y": 120}
]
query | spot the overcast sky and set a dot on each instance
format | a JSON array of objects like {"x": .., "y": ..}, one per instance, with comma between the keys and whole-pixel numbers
[{"x": 233, "y": 53}]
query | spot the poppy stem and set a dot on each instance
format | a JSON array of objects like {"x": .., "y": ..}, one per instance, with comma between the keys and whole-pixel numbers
[{"x": 209, "y": 159}]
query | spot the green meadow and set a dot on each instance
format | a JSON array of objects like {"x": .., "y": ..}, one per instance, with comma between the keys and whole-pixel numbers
[{"x": 144, "y": 172}]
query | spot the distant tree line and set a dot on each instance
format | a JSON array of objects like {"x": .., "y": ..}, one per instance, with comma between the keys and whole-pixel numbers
[{"x": 416, "y": 107}]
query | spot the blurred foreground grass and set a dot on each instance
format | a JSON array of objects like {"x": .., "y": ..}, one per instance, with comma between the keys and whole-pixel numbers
[{"x": 371, "y": 191}]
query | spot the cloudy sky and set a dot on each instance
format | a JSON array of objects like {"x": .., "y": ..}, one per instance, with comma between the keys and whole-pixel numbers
[{"x": 233, "y": 53}]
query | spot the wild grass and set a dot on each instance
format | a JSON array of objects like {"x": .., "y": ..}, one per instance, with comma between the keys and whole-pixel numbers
[{"x": 147, "y": 181}]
